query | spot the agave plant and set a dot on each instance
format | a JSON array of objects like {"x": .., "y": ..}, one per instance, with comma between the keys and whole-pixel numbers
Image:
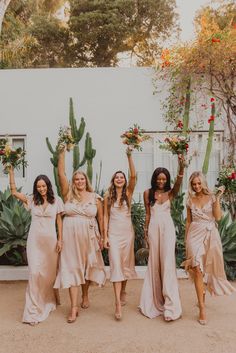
[
  {"x": 227, "y": 230},
  {"x": 14, "y": 227}
]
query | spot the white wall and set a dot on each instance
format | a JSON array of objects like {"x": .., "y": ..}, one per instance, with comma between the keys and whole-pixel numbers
[{"x": 36, "y": 103}]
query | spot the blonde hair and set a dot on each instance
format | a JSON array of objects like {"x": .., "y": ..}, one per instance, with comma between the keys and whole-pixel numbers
[
  {"x": 205, "y": 188},
  {"x": 73, "y": 194}
]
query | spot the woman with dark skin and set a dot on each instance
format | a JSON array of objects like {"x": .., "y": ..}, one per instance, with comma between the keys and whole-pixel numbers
[
  {"x": 43, "y": 246},
  {"x": 160, "y": 295}
]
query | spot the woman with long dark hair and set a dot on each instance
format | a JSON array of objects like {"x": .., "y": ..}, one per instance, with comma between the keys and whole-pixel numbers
[
  {"x": 119, "y": 233},
  {"x": 43, "y": 246},
  {"x": 160, "y": 294}
]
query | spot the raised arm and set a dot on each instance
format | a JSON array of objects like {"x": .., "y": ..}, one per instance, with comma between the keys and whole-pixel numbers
[
  {"x": 64, "y": 184},
  {"x": 174, "y": 191},
  {"x": 147, "y": 216},
  {"x": 217, "y": 213},
  {"x": 132, "y": 173},
  {"x": 14, "y": 192},
  {"x": 106, "y": 222}
]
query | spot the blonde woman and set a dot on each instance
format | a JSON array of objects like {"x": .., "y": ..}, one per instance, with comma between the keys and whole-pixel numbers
[
  {"x": 203, "y": 243},
  {"x": 119, "y": 233},
  {"x": 81, "y": 259}
]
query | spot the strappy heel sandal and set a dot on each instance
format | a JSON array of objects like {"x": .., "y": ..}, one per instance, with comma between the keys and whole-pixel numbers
[{"x": 72, "y": 319}]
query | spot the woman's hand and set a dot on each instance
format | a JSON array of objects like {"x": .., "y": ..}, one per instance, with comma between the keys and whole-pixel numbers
[
  {"x": 146, "y": 242},
  {"x": 101, "y": 243},
  {"x": 59, "y": 246},
  {"x": 129, "y": 150},
  {"x": 220, "y": 191},
  {"x": 106, "y": 244}
]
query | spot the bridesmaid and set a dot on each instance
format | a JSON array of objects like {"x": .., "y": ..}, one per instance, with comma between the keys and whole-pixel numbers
[
  {"x": 203, "y": 244},
  {"x": 119, "y": 233},
  {"x": 43, "y": 246},
  {"x": 81, "y": 259},
  {"x": 160, "y": 294}
]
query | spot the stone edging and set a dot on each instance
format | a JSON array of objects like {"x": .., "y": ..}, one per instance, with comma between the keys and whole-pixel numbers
[{"x": 20, "y": 273}]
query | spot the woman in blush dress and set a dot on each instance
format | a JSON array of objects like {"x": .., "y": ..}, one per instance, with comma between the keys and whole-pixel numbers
[
  {"x": 119, "y": 233},
  {"x": 160, "y": 294},
  {"x": 81, "y": 259},
  {"x": 203, "y": 243},
  {"x": 43, "y": 246}
]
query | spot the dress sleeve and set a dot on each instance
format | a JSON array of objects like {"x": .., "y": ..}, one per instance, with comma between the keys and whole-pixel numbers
[
  {"x": 60, "y": 205},
  {"x": 98, "y": 197}
]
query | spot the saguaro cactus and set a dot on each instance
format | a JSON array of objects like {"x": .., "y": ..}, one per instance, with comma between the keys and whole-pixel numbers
[
  {"x": 89, "y": 152},
  {"x": 210, "y": 139},
  {"x": 54, "y": 161},
  {"x": 89, "y": 155}
]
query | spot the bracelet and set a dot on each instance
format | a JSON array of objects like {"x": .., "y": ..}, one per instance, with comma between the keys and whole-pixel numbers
[{"x": 180, "y": 175}]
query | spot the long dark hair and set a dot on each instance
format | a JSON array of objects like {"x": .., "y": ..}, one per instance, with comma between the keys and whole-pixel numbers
[
  {"x": 112, "y": 195},
  {"x": 154, "y": 187},
  {"x": 38, "y": 200}
]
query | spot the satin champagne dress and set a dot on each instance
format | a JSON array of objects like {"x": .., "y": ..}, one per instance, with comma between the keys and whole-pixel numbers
[
  {"x": 81, "y": 257},
  {"x": 121, "y": 240},
  {"x": 42, "y": 261},
  {"x": 160, "y": 294},
  {"x": 204, "y": 249}
]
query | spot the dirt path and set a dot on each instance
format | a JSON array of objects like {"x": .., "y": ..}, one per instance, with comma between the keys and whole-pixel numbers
[{"x": 96, "y": 331}]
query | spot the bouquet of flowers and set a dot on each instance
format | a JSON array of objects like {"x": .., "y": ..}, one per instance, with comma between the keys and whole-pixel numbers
[
  {"x": 10, "y": 156},
  {"x": 65, "y": 139},
  {"x": 176, "y": 144},
  {"x": 227, "y": 178},
  {"x": 134, "y": 137}
]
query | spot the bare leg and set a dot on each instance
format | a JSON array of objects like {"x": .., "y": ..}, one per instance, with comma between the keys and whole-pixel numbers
[
  {"x": 200, "y": 290},
  {"x": 73, "y": 292},
  {"x": 117, "y": 289},
  {"x": 57, "y": 296},
  {"x": 123, "y": 293},
  {"x": 85, "y": 300}
]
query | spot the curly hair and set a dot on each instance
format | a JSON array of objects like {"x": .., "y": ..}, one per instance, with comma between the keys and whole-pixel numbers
[
  {"x": 154, "y": 186},
  {"x": 37, "y": 198},
  {"x": 112, "y": 194}
]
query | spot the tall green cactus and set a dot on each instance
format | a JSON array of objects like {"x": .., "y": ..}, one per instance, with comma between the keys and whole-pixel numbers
[
  {"x": 89, "y": 155},
  {"x": 89, "y": 152},
  {"x": 205, "y": 166},
  {"x": 187, "y": 108},
  {"x": 54, "y": 161}
]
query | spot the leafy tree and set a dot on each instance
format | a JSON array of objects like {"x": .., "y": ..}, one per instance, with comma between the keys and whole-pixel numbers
[
  {"x": 209, "y": 63},
  {"x": 101, "y": 30}
]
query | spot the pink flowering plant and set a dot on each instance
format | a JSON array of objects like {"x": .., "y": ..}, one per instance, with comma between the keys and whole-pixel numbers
[
  {"x": 133, "y": 137},
  {"x": 10, "y": 156}
]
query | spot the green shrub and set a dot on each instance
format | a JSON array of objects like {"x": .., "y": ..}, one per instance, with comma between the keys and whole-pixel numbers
[{"x": 227, "y": 230}]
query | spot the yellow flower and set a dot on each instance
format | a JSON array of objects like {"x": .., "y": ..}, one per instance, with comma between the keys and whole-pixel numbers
[{"x": 7, "y": 150}]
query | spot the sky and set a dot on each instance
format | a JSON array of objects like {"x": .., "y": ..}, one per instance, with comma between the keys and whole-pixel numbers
[{"x": 187, "y": 10}]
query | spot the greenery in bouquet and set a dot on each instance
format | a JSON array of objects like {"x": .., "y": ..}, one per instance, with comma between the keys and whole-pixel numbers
[
  {"x": 65, "y": 139},
  {"x": 134, "y": 137},
  {"x": 176, "y": 144},
  {"x": 10, "y": 156},
  {"x": 227, "y": 178}
]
